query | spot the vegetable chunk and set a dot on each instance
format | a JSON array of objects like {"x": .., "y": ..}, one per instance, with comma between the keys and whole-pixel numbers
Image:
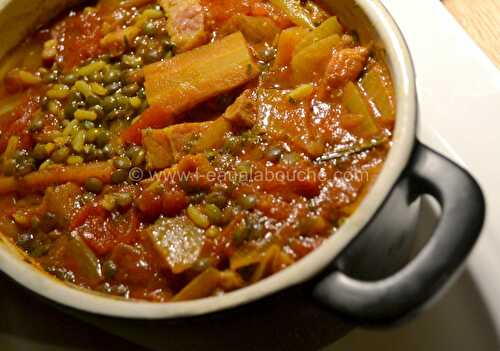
[
  {"x": 84, "y": 258},
  {"x": 377, "y": 86},
  {"x": 201, "y": 286},
  {"x": 310, "y": 62},
  {"x": 288, "y": 41},
  {"x": 362, "y": 123},
  {"x": 186, "y": 23},
  {"x": 57, "y": 175},
  {"x": 255, "y": 29},
  {"x": 178, "y": 241},
  {"x": 154, "y": 117},
  {"x": 330, "y": 27},
  {"x": 302, "y": 13},
  {"x": 166, "y": 146},
  {"x": 344, "y": 66},
  {"x": 198, "y": 75}
]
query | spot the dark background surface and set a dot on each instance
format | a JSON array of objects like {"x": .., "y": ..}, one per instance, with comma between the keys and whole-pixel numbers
[{"x": 27, "y": 323}]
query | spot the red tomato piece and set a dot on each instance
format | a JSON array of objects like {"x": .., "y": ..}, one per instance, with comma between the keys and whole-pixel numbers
[
  {"x": 150, "y": 203},
  {"x": 79, "y": 35},
  {"x": 174, "y": 202},
  {"x": 17, "y": 122}
]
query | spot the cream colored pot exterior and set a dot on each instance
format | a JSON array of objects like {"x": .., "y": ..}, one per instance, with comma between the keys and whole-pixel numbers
[{"x": 19, "y": 17}]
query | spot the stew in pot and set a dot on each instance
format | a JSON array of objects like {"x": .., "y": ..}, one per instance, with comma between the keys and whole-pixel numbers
[{"x": 176, "y": 149}]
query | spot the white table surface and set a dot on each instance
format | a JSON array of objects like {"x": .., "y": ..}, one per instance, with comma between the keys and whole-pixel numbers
[{"x": 459, "y": 92}]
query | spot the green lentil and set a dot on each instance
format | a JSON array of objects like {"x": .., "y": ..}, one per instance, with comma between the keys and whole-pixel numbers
[
  {"x": 71, "y": 128},
  {"x": 233, "y": 145},
  {"x": 123, "y": 162},
  {"x": 111, "y": 76},
  {"x": 89, "y": 151},
  {"x": 39, "y": 152},
  {"x": 99, "y": 154},
  {"x": 217, "y": 198},
  {"x": 248, "y": 201},
  {"x": 74, "y": 160},
  {"x": 109, "y": 103},
  {"x": 199, "y": 219},
  {"x": 48, "y": 222},
  {"x": 227, "y": 215},
  {"x": 54, "y": 234},
  {"x": 113, "y": 87},
  {"x": 135, "y": 102},
  {"x": 241, "y": 233},
  {"x": 119, "y": 176},
  {"x": 94, "y": 185},
  {"x": 91, "y": 68},
  {"x": 313, "y": 224},
  {"x": 10, "y": 167},
  {"x": 108, "y": 150},
  {"x": 153, "y": 55},
  {"x": 98, "y": 110},
  {"x": 149, "y": 28},
  {"x": 51, "y": 77},
  {"x": 213, "y": 232},
  {"x": 109, "y": 202},
  {"x": 102, "y": 138},
  {"x": 39, "y": 250},
  {"x": 78, "y": 141},
  {"x": 36, "y": 125},
  {"x": 72, "y": 107},
  {"x": 131, "y": 61},
  {"x": 109, "y": 269},
  {"x": 274, "y": 154},
  {"x": 58, "y": 91},
  {"x": 54, "y": 107},
  {"x": 85, "y": 115},
  {"x": 124, "y": 199},
  {"x": 213, "y": 213},
  {"x": 35, "y": 222},
  {"x": 92, "y": 135},
  {"x": 291, "y": 158},
  {"x": 25, "y": 165},
  {"x": 83, "y": 87},
  {"x": 137, "y": 155},
  {"x": 21, "y": 219},
  {"x": 70, "y": 79},
  {"x": 130, "y": 90},
  {"x": 244, "y": 168},
  {"x": 60, "y": 155},
  {"x": 46, "y": 164},
  {"x": 88, "y": 124},
  {"x": 122, "y": 101},
  {"x": 92, "y": 100},
  {"x": 116, "y": 115}
]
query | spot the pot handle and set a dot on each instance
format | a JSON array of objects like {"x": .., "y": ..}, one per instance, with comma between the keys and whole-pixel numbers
[{"x": 393, "y": 298}]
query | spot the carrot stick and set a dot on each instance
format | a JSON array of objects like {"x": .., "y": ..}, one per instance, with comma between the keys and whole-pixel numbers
[
  {"x": 156, "y": 116},
  {"x": 200, "y": 74},
  {"x": 57, "y": 175}
]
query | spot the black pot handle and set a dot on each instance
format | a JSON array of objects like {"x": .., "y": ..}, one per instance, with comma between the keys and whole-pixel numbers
[{"x": 393, "y": 298}]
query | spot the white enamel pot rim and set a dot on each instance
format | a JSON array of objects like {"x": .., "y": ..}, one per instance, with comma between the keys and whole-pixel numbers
[{"x": 399, "y": 60}]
